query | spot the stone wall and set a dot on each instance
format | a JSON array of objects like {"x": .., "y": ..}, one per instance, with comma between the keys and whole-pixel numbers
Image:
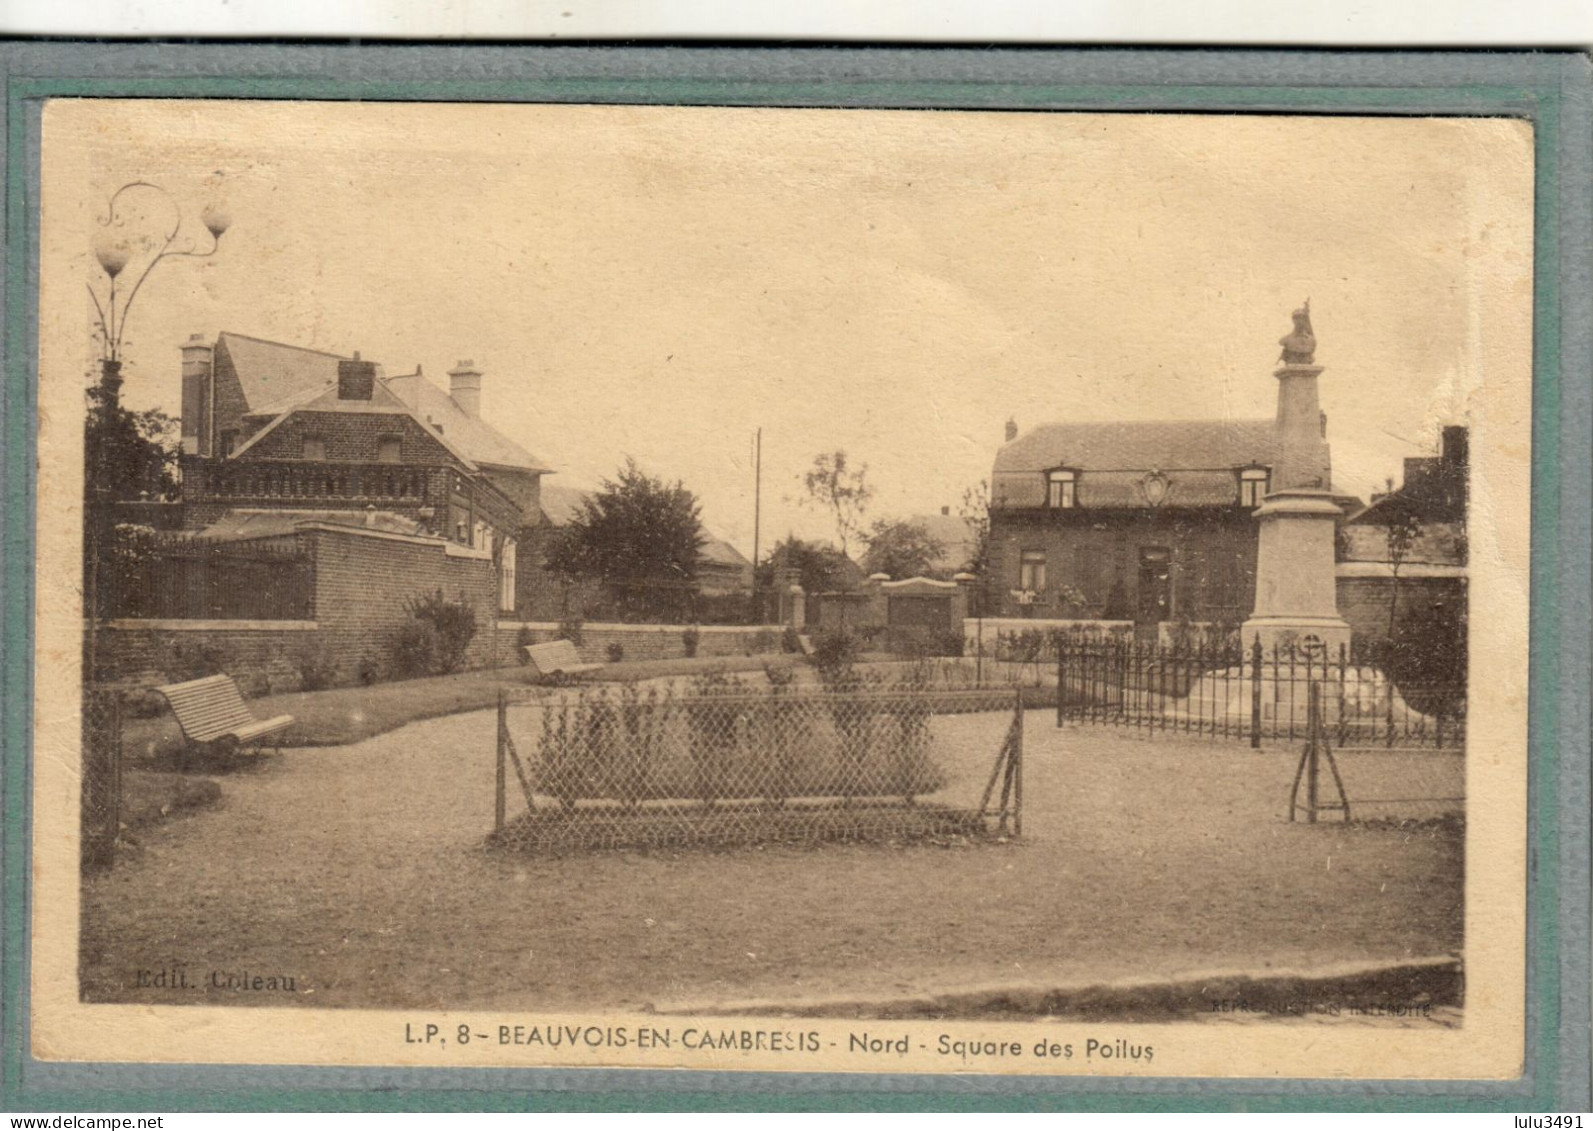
[{"x": 643, "y": 641}]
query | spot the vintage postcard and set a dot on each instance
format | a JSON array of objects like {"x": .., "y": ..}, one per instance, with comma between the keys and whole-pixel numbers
[{"x": 782, "y": 589}]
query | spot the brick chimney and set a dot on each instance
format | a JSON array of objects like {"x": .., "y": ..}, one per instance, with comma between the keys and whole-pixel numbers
[
  {"x": 198, "y": 356},
  {"x": 1455, "y": 445},
  {"x": 464, "y": 386},
  {"x": 356, "y": 379}
]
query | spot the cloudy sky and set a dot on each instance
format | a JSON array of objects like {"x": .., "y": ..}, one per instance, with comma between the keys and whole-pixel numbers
[{"x": 661, "y": 282}]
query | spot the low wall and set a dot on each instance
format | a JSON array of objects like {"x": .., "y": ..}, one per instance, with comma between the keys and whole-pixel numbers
[
  {"x": 1008, "y": 626},
  {"x": 643, "y": 641},
  {"x": 260, "y": 655}
]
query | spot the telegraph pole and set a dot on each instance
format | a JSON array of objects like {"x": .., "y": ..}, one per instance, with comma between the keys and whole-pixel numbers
[{"x": 757, "y": 515}]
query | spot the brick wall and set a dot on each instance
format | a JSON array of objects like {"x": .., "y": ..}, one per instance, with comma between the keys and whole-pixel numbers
[
  {"x": 644, "y": 641},
  {"x": 1364, "y": 601},
  {"x": 260, "y": 655},
  {"x": 363, "y": 582},
  {"x": 1213, "y": 558}
]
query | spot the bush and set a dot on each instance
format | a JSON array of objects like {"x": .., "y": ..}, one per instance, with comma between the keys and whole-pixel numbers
[
  {"x": 523, "y": 639},
  {"x": 411, "y": 651},
  {"x": 316, "y": 666},
  {"x": 195, "y": 659},
  {"x": 453, "y": 627},
  {"x": 368, "y": 670},
  {"x": 615, "y": 652},
  {"x": 834, "y": 653},
  {"x": 571, "y": 629},
  {"x": 790, "y": 639},
  {"x": 689, "y": 640}
]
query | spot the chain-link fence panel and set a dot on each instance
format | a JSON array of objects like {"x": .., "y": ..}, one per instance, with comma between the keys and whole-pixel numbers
[{"x": 731, "y": 763}]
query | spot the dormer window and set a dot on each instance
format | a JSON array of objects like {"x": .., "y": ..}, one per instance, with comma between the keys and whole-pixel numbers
[
  {"x": 1061, "y": 489},
  {"x": 314, "y": 447},
  {"x": 1252, "y": 486}
]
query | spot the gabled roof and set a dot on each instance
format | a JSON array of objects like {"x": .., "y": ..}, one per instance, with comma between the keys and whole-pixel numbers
[
  {"x": 956, "y": 540},
  {"x": 561, "y": 503},
  {"x": 1126, "y": 445},
  {"x": 716, "y": 551},
  {"x": 270, "y": 372},
  {"x": 325, "y": 399},
  {"x": 479, "y": 440}
]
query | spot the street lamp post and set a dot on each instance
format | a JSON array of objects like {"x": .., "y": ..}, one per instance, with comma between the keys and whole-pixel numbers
[{"x": 115, "y": 248}]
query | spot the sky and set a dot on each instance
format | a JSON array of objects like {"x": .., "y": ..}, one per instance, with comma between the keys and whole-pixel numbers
[{"x": 662, "y": 282}]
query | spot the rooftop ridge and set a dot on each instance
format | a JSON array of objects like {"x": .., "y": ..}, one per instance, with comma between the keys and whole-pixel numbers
[{"x": 281, "y": 345}]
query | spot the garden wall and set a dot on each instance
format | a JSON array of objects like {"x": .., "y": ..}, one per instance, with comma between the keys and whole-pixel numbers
[
  {"x": 363, "y": 581},
  {"x": 1010, "y": 626},
  {"x": 260, "y": 655},
  {"x": 643, "y": 641}
]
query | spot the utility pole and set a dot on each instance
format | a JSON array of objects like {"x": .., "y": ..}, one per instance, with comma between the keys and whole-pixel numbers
[{"x": 757, "y": 516}]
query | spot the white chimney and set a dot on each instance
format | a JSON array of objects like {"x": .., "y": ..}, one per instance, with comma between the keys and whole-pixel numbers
[
  {"x": 464, "y": 386},
  {"x": 198, "y": 356}
]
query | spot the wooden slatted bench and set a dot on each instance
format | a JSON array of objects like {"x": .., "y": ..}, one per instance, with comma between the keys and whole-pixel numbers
[
  {"x": 211, "y": 712},
  {"x": 557, "y": 659}
]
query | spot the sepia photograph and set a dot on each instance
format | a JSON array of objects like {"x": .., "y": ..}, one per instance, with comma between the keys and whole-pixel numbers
[{"x": 787, "y": 589}]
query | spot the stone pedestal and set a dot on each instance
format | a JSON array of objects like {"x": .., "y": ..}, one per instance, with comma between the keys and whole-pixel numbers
[{"x": 1296, "y": 595}]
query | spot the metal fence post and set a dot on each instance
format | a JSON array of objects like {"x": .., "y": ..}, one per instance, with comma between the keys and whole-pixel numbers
[
  {"x": 1255, "y": 694},
  {"x": 500, "y": 798},
  {"x": 1017, "y": 755}
]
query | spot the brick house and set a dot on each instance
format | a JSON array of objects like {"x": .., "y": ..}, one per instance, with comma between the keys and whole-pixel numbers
[
  {"x": 283, "y": 434},
  {"x": 1149, "y": 522}
]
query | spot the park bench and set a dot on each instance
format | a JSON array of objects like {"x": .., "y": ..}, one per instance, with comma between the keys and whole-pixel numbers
[
  {"x": 557, "y": 659},
  {"x": 211, "y": 713}
]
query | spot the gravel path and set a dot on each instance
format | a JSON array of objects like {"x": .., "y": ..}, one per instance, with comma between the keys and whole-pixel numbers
[{"x": 359, "y": 873}]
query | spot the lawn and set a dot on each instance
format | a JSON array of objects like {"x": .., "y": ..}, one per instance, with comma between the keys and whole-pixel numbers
[
  {"x": 344, "y": 715},
  {"x": 360, "y": 872}
]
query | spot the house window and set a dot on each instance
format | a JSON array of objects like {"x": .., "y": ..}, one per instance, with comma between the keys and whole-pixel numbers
[
  {"x": 1061, "y": 489},
  {"x": 388, "y": 449},
  {"x": 1031, "y": 571},
  {"x": 506, "y": 577},
  {"x": 1252, "y": 486},
  {"x": 314, "y": 447}
]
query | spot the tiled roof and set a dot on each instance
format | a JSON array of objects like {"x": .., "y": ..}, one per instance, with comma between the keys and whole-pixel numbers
[
  {"x": 1127, "y": 445},
  {"x": 560, "y": 503},
  {"x": 278, "y": 378},
  {"x": 479, "y": 440},
  {"x": 956, "y": 540},
  {"x": 718, "y": 552},
  {"x": 270, "y": 372}
]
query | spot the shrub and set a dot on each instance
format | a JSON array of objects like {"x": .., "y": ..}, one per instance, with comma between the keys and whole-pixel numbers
[
  {"x": 316, "y": 666},
  {"x": 834, "y": 653},
  {"x": 570, "y": 628},
  {"x": 615, "y": 651},
  {"x": 789, "y": 639},
  {"x": 689, "y": 639},
  {"x": 195, "y": 659},
  {"x": 453, "y": 627},
  {"x": 411, "y": 651},
  {"x": 523, "y": 639},
  {"x": 368, "y": 670}
]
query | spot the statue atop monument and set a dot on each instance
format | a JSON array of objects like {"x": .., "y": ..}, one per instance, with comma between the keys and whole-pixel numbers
[{"x": 1299, "y": 346}]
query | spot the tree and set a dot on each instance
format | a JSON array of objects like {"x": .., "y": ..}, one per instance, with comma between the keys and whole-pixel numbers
[
  {"x": 833, "y": 484},
  {"x": 975, "y": 515},
  {"x": 901, "y": 549},
  {"x": 1402, "y": 527},
  {"x": 819, "y": 568},
  {"x": 637, "y": 536},
  {"x": 128, "y": 455}
]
